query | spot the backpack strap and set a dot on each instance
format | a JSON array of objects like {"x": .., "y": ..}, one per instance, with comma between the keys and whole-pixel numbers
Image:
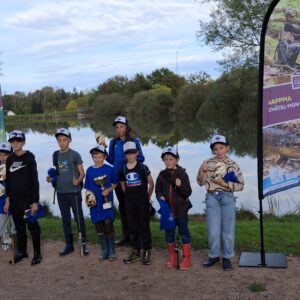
[{"x": 55, "y": 161}]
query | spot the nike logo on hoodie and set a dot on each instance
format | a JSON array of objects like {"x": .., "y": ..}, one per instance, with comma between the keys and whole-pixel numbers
[{"x": 17, "y": 165}]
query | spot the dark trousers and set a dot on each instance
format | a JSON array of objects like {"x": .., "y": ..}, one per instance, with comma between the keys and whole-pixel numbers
[
  {"x": 33, "y": 227},
  {"x": 106, "y": 228},
  {"x": 124, "y": 220},
  {"x": 183, "y": 230},
  {"x": 66, "y": 202},
  {"x": 138, "y": 215}
]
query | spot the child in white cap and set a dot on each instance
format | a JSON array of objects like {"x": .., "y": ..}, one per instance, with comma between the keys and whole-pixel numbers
[
  {"x": 173, "y": 186},
  {"x": 102, "y": 211},
  {"x": 221, "y": 176},
  {"x": 137, "y": 184}
]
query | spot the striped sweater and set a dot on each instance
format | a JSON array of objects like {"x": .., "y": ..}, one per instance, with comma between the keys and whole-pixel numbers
[{"x": 217, "y": 169}]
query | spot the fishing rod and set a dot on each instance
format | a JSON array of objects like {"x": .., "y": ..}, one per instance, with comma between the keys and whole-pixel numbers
[
  {"x": 177, "y": 244},
  {"x": 77, "y": 211}
]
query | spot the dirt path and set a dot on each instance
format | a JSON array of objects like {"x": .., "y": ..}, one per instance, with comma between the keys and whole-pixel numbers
[{"x": 73, "y": 277}]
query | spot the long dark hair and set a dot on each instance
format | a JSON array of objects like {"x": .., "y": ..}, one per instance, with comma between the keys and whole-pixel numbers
[{"x": 129, "y": 133}]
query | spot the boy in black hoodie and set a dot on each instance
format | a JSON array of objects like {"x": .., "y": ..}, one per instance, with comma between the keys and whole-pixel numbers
[
  {"x": 22, "y": 193},
  {"x": 173, "y": 186}
]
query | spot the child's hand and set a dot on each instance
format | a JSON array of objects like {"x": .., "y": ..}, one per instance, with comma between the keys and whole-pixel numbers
[
  {"x": 6, "y": 207},
  {"x": 105, "y": 193},
  {"x": 221, "y": 183},
  {"x": 48, "y": 179},
  {"x": 34, "y": 208},
  {"x": 204, "y": 167},
  {"x": 178, "y": 182},
  {"x": 75, "y": 181}
]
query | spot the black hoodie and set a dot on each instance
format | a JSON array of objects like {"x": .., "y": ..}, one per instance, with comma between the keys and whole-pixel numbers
[
  {"x": 22, "y": 184},
  {"x": 165, "y": 186}
]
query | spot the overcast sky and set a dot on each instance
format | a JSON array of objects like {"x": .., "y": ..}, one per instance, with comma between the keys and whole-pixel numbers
[{"x": 81, "y": 43}]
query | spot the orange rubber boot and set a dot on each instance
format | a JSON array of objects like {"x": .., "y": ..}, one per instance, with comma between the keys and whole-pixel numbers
[
  {"x": 172, "y": 256},
  {"x": 186, "y": 262}
]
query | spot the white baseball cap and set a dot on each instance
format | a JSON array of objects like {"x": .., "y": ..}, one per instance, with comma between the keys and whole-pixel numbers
[
  {"x": 120, "y": 119},
  {"x": 63, "y": 131},
  {"x": 169, "y": 150},
  {"x": 16, "y": 135},
  {"x": 129, "y": 147},
  {"x": 218, "y": 139},
  {"x": 99, "y": 148},
  {"x": 5, "y": 147}
]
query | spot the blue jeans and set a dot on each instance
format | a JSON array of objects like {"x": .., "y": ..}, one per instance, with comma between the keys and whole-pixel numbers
[
  {"x": 220, "y": 222},
  {"x": 184, "y": 232}
]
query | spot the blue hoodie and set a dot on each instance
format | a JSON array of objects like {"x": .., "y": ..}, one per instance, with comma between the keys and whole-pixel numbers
[{"x": 116, "y": 156}]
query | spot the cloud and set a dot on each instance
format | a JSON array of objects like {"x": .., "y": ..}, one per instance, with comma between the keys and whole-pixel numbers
[
  {"x": 67, "y": 24},
  {"x": 64, "y": 43}
]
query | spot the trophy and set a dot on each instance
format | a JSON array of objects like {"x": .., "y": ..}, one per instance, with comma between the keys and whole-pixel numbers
[
  {"x": 100, "y": 138},
  {"x": 2, "y": 172},
  {"x": 101, "y": 181},
  {"x": 90, "y": 199}
]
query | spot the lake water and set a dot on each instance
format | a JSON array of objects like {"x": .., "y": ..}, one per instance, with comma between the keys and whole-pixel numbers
[{"x": 192, "y": 154}]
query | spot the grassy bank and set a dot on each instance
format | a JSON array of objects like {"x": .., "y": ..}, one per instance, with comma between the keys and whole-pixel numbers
[{"x": 282, "y": 234}]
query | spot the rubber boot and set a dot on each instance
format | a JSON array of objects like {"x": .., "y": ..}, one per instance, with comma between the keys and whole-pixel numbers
[
  {"x": 125, "y": 239},
  {"x": 186, "y": 262},
  {"x": 104, "y": 248},
  {"x": 172, "y": 256},
  {"x": 69, "y": 248},
  {"x": 37, "y": 257},
  {"x": 111, "y": 249}
]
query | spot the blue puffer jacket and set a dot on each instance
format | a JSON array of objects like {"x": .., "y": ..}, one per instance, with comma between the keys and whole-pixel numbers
[{"x": 116, "y": 156}]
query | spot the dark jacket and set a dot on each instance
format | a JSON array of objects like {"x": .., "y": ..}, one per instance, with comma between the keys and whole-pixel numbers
[
  {"x": 165, "y": 186},
  {"x": 22, "y": 185}
]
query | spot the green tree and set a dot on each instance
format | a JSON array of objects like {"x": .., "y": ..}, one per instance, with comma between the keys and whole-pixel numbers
[
  {"x": 190, "y": 98},
  {"x": 235, "y": 25},
  {"x": 72, "y": 105},
  {"x": 198, "y": 77},
  {"x": 137, "y": 84},
  {"x": 111, "y": 104},
  {"x": 168, "y": 78},
  {"x": 161, "y": 89},
  {"x": 116, "y": 84}
]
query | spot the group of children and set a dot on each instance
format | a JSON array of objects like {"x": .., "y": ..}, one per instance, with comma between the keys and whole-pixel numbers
[{"x": 133, "y": 185}]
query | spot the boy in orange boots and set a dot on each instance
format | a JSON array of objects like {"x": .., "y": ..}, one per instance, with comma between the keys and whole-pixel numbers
[{"x": 173, "y": 186}]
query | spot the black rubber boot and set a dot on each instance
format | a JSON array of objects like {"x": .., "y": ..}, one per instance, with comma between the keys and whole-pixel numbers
[
  {"x": 69, "y": 248},
  {"x": 37, "y": 258},
  {"x": 19, "y": 257},
  {"x": 125, "y": 239}
]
